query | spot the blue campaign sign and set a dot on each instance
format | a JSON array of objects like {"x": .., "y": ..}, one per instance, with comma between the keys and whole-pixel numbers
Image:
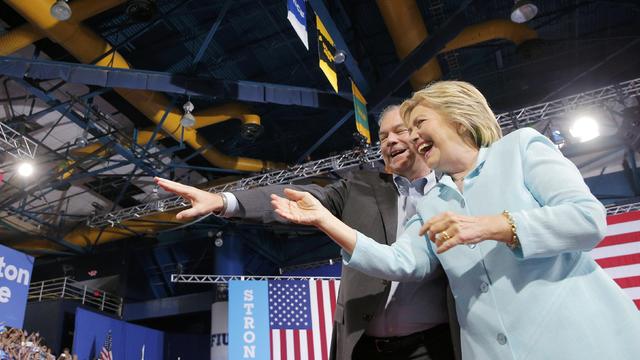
[
  {"x": 297, "y": 15},
  {"x": 15, "y": 276},
  {"x": 249, "y": 320}
]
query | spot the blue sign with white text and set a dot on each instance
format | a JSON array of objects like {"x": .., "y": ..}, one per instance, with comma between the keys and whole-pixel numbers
[
  {"x": 249, "y": 320},
  {"x": 15, "y": 276},
  {"x": 297, "y": 15}
]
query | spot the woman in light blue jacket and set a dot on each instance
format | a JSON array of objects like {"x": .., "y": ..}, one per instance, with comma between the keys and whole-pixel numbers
[{"x": 509, "y": 221}]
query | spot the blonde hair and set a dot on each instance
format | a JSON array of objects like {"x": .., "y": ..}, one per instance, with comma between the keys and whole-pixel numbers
[{"x": 461, "y": 103}]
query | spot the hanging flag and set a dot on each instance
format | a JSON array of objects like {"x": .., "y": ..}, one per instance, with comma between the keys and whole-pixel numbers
[
  {"x": 360, "y": 110},
  {"x": 326, "y": 49},
  {"x": 105, "y": 353},
  {"x": 619, "y": 252},
  {"x": 297, "y": 15},
  {"x": 299, "y": 319}
]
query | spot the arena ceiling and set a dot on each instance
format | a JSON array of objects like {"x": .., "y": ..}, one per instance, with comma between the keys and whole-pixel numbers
[{"x": 261, "y": 103}]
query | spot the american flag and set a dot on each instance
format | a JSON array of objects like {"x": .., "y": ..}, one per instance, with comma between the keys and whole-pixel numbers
[
  {"x": 301, "y": 318},
  {"x": 105, "y": 353},
  {"x": 619, "y": 252}
]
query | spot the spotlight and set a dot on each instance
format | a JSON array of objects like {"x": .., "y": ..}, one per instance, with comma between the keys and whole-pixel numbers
[
  {"x": 218, "y": 242},
  {"x": 585, "y": 128},
  {"x": 82, "y": 140},
  {"x": 187, "y": 121},
  {"x": 523, "y": 11},
  {"x": 339, "y": 57},
  {"x": 25, "y": 169},
  {"x": 61, "y": 10}
]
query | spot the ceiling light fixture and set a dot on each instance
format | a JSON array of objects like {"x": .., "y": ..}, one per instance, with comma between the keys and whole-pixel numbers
[
  {"x": 585, "y": 128},
  {"x": 188, "y": 121},
  {"x": 339, "y": 57},
  {"x": 523, "y": 11},
  {"x": 25, "y": 169},
  {"x": 61, "y": 10}
]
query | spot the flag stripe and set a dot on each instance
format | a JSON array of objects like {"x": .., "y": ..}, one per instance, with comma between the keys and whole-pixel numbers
[
  {"x": 296, "y": 344},
  {"x": 616, "y": 250},
  {"x": 283, "y": 344},
  {"x": 317, "y": 354},
  {"x": 332, "y": 298},
  {"x": 328, "y": 314},
  {"x": 631, "y": 281},
  {"x": 633, "y": 292},
  {"x": 302, "y": 343},
  {"x": 619, "y": 260},
  {"x": 310, "y": 348},
  {"x": 619, "y": 239},
  {"x": 623, "y": 271},
  {"x": 273, "y": 344},
  {"x": 622, "y": 218},
  {"x": 622, "y": 228},
  {"x": 321, "y": 320}
]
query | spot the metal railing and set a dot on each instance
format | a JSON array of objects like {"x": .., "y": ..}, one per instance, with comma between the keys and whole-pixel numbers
[
  {"x": 67, "y": 288},
  {"x": 223, "y": 279}
]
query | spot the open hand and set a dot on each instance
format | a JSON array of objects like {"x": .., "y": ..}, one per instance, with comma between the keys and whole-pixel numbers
[
  {"x": 299, "y": 207},
  {"x": 202, "y": 202}
]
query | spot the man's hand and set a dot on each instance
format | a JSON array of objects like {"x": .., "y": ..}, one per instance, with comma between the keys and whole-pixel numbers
[
  {"x": 202, "y": 202},
  {"x": 299, "y": 207}
]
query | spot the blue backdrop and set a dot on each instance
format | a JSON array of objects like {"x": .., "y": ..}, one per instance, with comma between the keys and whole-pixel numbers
[
  {"x": 128, "y": 340},
  {"x": 15, "y": 277}
]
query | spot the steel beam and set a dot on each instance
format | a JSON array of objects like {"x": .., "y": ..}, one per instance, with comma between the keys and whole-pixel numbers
[
  {"x": 173, "y": 83},
  {"x": 91, "y": 127}
]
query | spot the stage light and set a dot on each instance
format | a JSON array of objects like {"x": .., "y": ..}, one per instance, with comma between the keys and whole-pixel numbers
[
  {"x": 25, "y": 169},
  {"x": 523, "y": 11},
  {"x": 187, "y": 121},
  {"x": 61, "y": 10},
  {"x": 218, "y": 242},
  {"x": 82, "y": 140},
  {"x": 339, "y": 57},
  {"x": 585, "y": 128}
]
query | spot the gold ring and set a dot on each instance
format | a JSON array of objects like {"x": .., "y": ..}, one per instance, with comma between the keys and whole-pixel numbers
[{"x": 445, "y": 235}]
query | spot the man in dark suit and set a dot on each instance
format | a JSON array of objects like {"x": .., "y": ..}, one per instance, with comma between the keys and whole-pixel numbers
[{"x": 374, "y": 318}]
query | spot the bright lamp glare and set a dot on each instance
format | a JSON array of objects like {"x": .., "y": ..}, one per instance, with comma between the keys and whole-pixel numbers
[
  {"x": 25, "y": 169},
  {"x": 585, "y": 129}
]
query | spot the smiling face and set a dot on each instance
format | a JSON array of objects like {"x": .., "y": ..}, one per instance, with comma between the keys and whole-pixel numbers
[
  {"x": 438, "y": 140},
  {"x": 398, "y": 150}
]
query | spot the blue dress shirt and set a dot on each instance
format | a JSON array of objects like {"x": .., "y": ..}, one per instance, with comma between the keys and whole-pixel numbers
[{"x": 545, "y": 300}]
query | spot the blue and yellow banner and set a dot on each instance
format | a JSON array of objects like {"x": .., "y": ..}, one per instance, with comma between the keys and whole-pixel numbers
[
  {"x": 360, "y": 110},
  {"x": 326, "y": 51}
]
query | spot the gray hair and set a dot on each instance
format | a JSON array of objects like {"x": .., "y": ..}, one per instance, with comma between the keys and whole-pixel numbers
[{"x": 386, "y": 112}]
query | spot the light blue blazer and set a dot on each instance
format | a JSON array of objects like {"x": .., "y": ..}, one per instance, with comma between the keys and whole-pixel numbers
[{"x": 546, "y": 300}]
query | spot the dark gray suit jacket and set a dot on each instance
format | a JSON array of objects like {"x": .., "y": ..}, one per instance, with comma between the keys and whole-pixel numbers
[{"x": 366, "y": 201}]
